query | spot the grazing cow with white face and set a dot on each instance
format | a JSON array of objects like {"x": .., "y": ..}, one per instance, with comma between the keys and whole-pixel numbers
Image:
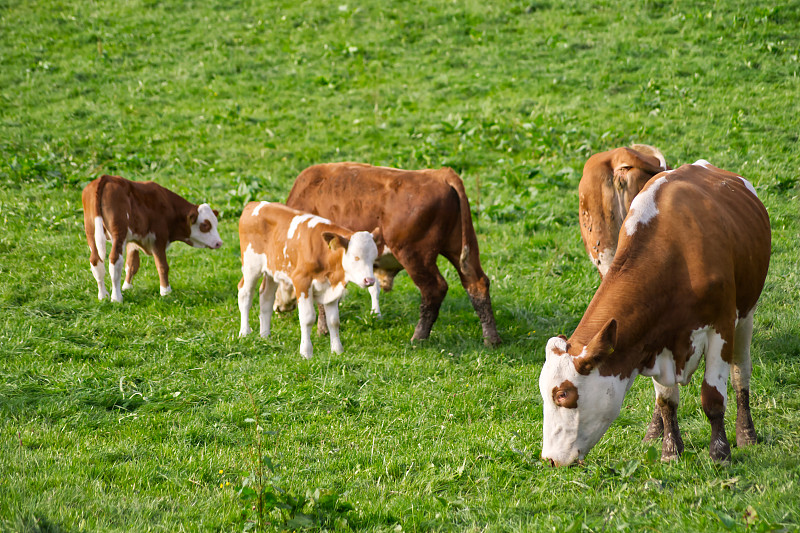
[
  {"x": 146, "y": 217},
  {"x": 422, "y": 214},
  {"x": 317, "y": 257},
  {"x": 692, "y": 258},
  {"x": 609, "y": 183}
]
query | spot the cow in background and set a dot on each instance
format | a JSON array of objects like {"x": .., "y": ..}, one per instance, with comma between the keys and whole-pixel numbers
[{"x": 145, "y": 216}]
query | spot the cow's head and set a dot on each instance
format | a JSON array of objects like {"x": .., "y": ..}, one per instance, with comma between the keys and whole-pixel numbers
[
  {"x": 579, "y": 403},
  {"x": 360, "y": 253},
  {"x": 609, "y": 183},
  {"x": 203, "y": 226}
]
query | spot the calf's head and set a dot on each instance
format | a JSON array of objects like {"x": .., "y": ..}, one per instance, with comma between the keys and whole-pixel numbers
[
  {"x": 203, "y": 226},
  {"x": 360, "y": 253},
  {"x": 609, "y": 183},
  {"x": 579, "y": 402}
]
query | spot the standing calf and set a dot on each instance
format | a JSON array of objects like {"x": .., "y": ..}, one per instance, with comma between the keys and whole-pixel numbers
[
  {"x": 317, "y": 257},
  {"x": 145, "y": 216},
  {"x": 692, "y": 259}
]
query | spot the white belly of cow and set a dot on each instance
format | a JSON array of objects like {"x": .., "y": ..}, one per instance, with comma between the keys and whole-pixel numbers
[{"x": 665, "y": 372}]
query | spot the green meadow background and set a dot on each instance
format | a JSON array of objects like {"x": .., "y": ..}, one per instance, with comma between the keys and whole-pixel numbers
[{"x": 153, "y": 416}]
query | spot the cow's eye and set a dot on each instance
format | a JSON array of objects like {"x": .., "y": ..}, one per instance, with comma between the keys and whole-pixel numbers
[
  {"x": 357, "y": 258},
  {"x": 561, "y": 395}
]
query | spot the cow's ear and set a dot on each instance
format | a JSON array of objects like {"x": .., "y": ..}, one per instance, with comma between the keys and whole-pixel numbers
[
  {"x": 216, "y": 213},
  {"x": 639, "y": 156},
  {"x": 377, "y": 236},
  {"x": 599, "y": 348},
  {"x": 335, "y": 241},
  {"x": 192, "y": 218}
]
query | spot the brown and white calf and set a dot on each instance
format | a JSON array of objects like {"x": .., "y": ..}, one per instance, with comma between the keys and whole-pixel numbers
[
  {"x": 317, "y": 257},
  {"x": 692, "y": 258},
  {"x": 421, "y": 214},
  {"x": 609, "y": 183},
  {"x": 146, "y": 217}
]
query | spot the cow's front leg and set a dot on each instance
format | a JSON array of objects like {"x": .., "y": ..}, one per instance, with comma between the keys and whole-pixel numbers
[
  {"x": 374, "y": 293},
  {"x": 656, "y": 428},
  {"x": 116, "y": 262},
  {"x": 668, "y": 399},
  {"x": 131, "y": 265},
  {"x": 714, "y": 396},
  {"x": 305, "y": 309},
  {"x": 160, "y": 256},
  {"x": 266, "y": 299},
  {"x": 332, "y": 319},
  {"x": 741, "y": 369}
]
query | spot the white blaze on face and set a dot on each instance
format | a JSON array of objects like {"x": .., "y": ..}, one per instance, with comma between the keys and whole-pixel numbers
[
  {"x": 204, "y": 231},
  {"x": 359, "y": 259},
  {"x": 568, "y": 433},
  {"x": 643, "y": 207}
]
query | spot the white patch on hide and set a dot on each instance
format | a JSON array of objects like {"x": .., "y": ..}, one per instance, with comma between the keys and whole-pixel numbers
[{"x": 643, "y": 208}]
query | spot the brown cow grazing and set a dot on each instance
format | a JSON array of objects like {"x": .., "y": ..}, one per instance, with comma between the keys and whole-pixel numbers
[
  {"x": 610, "y": 182},
  {"x": 317, "y": 257},
  {"x": 145, "y": 216},
  {"x": 421, "y": 214},
  {"x": 692, "y": 258}
]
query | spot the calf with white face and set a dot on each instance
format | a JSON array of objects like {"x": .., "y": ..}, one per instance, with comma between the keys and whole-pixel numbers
[
  {"x": 318, "y": 258},
  {"x": 692, "y": 259}
]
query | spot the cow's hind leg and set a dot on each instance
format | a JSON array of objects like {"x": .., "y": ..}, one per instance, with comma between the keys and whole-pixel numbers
[
  {"x": 305, "y": 310},
  {"x": 332, "y": 318},
  {"x": 714, "y": 395},
  {"x": 433, "y": 288},
  {"x": 266, "y": 299},
  {"x": 131, "y": 265},
  {"x": 250, "y": 277},
  {"x": 476, "y": 283},
  {"x": 740, "y": 378},
  {"x": 117, "y": 262},
  {"x": 655, "y": 429},
  {"x": 322, "y": 322},
  {"x": 96, "y": 237},
  {"x": 667, "y": 400}
]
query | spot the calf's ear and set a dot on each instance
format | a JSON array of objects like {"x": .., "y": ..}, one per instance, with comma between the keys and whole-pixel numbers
[
  {"x": 599, "y": 348},
  {"x": 335, "y": 241},
  {"x": 216, "y": 213},
  {"x": 377, "y": 236}
]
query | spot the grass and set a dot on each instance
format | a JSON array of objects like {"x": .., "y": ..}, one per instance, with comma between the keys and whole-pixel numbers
[{"x": 136, "y": 417}]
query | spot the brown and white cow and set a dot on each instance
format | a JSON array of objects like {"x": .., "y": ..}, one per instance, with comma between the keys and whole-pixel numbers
[
  {"x": 421, "y": 214},
  {"x": 146, "y": 217},
  {"x": 692, "y": 258},
  {"x": 317, "y": 257},
  {"x": 609, "y": 183}
]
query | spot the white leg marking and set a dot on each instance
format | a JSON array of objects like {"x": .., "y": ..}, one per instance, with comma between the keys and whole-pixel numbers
[
  {"x": 99, "y": 273},
  {"x": 266, "y": 298},
  {"x": 672, "y": 394},
  {"x": 305, "y": 308},
  {"x": 116, "y": 278},
  {"x": 717, "y": 370},
  {"x": 374, "y": 292},
  {"x": 332, "y": 318},
  {"x": 742, "y": 367},
  {"x": 245, "y": 301}
]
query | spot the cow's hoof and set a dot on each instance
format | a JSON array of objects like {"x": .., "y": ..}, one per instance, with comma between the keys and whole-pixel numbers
[
  {"x": 126, "y": 286},
  {"x": 165, "y": 290},
  {"x": 493, "y": 340},
  {"x": 720, "y": 451},
  {"x": 244, "y": 332},
  {"x": 746, "y": 438}
]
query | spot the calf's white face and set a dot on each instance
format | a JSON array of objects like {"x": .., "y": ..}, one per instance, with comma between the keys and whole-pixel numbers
[
  {"x": 578, "y": 409},
  {"x": 359, "y": 258},
  {"x": 204, "y": 233}
]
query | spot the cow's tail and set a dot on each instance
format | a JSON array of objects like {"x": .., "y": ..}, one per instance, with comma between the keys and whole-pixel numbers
[
  {"x": 469, "y": 243},
  {"x": 93, "y": 220}
]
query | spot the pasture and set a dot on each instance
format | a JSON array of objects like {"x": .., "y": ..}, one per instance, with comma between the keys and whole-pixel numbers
[{"x": 153, "y": 415}]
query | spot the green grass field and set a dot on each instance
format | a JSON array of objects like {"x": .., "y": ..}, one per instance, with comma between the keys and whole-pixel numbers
[{"x": 152, "y": 415}]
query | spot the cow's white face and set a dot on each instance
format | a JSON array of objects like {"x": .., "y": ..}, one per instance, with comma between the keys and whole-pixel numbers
[
  {"x": 204, "y": 233},
  {"x": 359, "y": 258},
  {"x": 578, "y": 409}
]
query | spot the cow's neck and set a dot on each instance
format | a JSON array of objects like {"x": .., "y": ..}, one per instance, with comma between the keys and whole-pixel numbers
[{"x": 179, "y": 227}]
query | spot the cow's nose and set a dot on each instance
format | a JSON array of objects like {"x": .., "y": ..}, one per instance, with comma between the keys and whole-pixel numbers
[
  {"x": 369, "y": 282},
  {"x": 217, "y": 244}
]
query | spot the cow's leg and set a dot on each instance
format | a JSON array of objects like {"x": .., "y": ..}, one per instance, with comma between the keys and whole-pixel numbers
[
  {"x": 266, "y": 299},
  {"x": 117, "y": 262},
  {"x": 96, "y": 237},
  {"x": 432, "y": 287},
  {"x": 332, "y": 317},
  {"x": 714, "y": 394},
  {"x": 305, "y": 309},
  {"x": 285, "y": 299},
  {"x": 322, "y": 323},
  {"x": 476, "y": 283},
  {"x": 160, "y": 257},
  {"x": 667, "y": 399},
  {"x": 656, "y": 428},
  {"x": 246, "y": 287},
  {"x": 375, "y": 292},
  {"x": 131, "y": 265},
  {"x": 741, "y": 369}
]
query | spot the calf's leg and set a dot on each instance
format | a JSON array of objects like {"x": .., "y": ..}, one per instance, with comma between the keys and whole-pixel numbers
[
  {"x": 117, "y": 262},
  {"x": 741, "y": 369},
  {"x": 96, "y": 237},
  {"x": 332, "y": 318},
  {"x": 305, "y": 310},
  {"x": 266, "y": 299},
  {"x": 160, "y": 256},
  {"x": 247, "y": 285}
]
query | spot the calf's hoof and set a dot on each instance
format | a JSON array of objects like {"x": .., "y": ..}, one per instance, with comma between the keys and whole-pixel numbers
[
  {"x": 165, "y": 290},
  {"x": 126, "y": 286}
]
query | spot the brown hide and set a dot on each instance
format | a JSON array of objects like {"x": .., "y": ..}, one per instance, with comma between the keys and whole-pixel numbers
[
  {"x": 700, "y": 261},
  {"x": 421, "y": 214},
  {"x": 609, "y": 183}
]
